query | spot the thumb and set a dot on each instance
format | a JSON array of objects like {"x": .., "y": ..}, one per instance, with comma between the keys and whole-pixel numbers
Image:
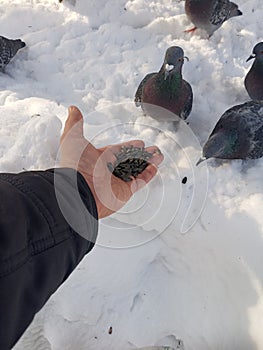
[{"x": 74, "y": 123}]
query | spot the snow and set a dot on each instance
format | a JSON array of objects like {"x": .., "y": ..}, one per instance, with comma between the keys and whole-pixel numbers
[{"x": 180, "y": 261}]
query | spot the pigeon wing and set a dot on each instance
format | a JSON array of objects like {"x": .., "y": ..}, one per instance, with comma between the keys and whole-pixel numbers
[
  {"x": 189, "y": 102},
  {"x": 138, "y": 94},
  {"x": 220, "y": 13}
]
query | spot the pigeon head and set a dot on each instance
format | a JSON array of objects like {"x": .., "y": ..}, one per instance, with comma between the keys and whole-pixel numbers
[
  {"x": 222, "y": 145},
  {"x": 173, "y": 61},
  {"x": 257, "y": 52}
]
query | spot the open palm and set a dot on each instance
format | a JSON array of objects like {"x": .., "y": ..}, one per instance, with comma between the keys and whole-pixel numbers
[{"x": 110, "y": 193}]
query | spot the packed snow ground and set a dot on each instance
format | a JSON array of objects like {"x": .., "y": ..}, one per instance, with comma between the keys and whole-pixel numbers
[{"x": 181, "y": 260}]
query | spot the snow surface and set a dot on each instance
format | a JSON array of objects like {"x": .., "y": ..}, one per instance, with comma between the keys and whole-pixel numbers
[{"x": 181, "y": 260}]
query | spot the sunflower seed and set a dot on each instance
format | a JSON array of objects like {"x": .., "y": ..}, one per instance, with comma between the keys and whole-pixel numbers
[{"x": 130, "y": 162}]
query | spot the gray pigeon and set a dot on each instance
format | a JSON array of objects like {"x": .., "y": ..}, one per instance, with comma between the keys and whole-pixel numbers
[
  {"x": 254, "y": 78},
  {"x": 238, "y": 134},
  {"x": 8, "y": 49},
  {"x": 166, "y": 89},
  {"x": 210, "y": 14}
]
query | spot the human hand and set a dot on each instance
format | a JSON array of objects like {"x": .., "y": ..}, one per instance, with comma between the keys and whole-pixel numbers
[{"x": 110, "y": 192}]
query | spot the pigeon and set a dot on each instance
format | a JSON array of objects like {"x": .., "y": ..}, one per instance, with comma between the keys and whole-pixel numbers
[
  {"x": 238, "y": 134},
  {"x": 8, "y": 49},
  {"x": 166, "y": 89},
  {"x": 254, "y": 78},
  {"x": 210, "y": 14}
]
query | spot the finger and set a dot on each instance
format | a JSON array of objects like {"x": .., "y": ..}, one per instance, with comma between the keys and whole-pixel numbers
[
  {"x": 153, "y": 149},
  {"x": 145, "y": 177},
  {"x": 73, "y": 132},
  {"x": 74, "y": 123},
  {"x": 157, "y": 156}
]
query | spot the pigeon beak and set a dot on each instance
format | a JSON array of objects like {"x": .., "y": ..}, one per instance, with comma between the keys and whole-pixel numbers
[
  {"x": 168, "y": 68},
  {"x": 187, "y": 59},
  {"x": 200, "y": 161},
  {"x": 250, "y": 57}
]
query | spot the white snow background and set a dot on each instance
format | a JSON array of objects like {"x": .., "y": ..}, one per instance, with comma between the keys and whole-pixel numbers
[{"x": 181, "y": 260}]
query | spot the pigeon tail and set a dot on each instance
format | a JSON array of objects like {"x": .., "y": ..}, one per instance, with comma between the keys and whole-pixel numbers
[
  {"x": 18, "y": 43},
  {"x": 234, "y": 10},
  {"x": 8, "y": 49},
  {"x": 22, "y": 44}
]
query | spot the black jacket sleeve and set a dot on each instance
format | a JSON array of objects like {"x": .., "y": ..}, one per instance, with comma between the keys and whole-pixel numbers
[{"x": 39, "y": 246}]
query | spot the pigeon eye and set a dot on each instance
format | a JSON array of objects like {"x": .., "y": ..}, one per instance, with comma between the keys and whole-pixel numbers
[{"x": 180, "y": 59}]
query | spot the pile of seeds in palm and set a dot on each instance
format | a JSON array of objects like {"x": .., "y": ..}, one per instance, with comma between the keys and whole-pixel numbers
[{"x": 130, "y": 162}]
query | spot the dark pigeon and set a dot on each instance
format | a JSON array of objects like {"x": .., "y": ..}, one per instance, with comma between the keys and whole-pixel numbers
[
  {"x": 8, "y": 49},
  {"x": 254, "y": 78},
  {"x": 166, "y": 89},
  {"x": 209, "y": 15},
  {"x": 238, "y": 134}
]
